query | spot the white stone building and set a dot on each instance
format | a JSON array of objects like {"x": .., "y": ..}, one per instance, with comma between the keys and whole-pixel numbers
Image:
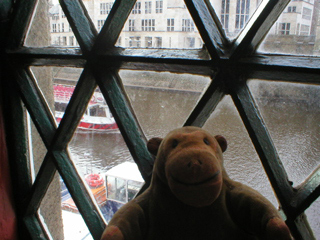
[
  {"x": 168, "y": 24},
  {"x": 151, "y": 24},
  {"x": 61, "y": 33},
  {"x": 295, "y": 20},
  {"x": 234, "y": 14}
]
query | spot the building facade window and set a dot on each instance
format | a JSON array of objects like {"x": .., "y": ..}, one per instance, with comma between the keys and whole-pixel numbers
[
  {"x": 131, "y": 25},
  {"x": 62, "y": 27},
  {"x": 148, "y": 7},
  {"x": 71, "y": 41},
  {"x": 306, "y": 13},
  {"x": 159, "y": 6},
  {"x": 55, "y": 16},
  {"x": 134, "y": 42},
  {"x": 100, "y": 24},
  {"x": 190, "y": 42},
  {"x": 54, "y": 27},
  {"x": 170, "y": 24},
  {"x": 187, "y": 25},
  {"x": 284, "y": 28},
  {"x": 292, "y": 9},
  {"x": 64, "y": 41},
  {"x": 304, "y": 30},
  {"x": 148, "y": 42},
  {"x": 158, "y": 42},
  {"x": 137, "y": 8},
  {"x": 242, "y": 13},
  {"x": 148, "y": 25},
  {"x": 105, "y": 8},
  {"x": 225, "y": 8}
]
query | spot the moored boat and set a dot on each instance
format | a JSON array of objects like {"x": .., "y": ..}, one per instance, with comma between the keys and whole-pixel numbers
[
  {"x": 111, "y": 190},
  {"x": 123, "y": 182},
  {"x": 97, "y": 187},
  {"x": 97, "y": 116}
]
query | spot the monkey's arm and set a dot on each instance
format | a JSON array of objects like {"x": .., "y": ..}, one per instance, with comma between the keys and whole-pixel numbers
[{"x": 254, "y": 213}]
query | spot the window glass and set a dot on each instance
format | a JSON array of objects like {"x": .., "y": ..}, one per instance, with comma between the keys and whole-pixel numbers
[
  {"x": 133, "y": 188},
  {"x": 50, "y": 213},
  {"x": 121, "y": 191},
  {"x": 111, "y": 187},
  {"x": 292, "y": 114},
  {"x": 234, "y": 14},
  {"x": 162, "y": 97},
  {"x": 56, "y": 27},
  {"x": 313, "y": 217},
  {"x": 81, "y": 231},
  {"x": 296, "y": 31},
  {"x": 240, "y": 159},
  {"x": 57, "y": 84},
  {"x": 98, "y": 11},
  {"x": 71, "y": 217}
]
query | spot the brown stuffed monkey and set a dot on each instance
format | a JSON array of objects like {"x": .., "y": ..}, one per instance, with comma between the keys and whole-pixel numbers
[{"x": 191, "y": 197}]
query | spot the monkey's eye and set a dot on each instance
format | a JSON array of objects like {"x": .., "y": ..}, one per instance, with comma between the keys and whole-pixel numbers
[
  {"x": 206, "y": 141},
  {"x": 174, "y": 143}
]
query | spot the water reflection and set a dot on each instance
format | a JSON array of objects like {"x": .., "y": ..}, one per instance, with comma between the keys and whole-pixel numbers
[
  {"x": 292, "y": 115},
  {"x": 96, "y": 152}
]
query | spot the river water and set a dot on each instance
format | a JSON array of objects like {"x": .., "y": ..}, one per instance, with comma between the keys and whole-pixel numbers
[{"x": 290, "y": 111}]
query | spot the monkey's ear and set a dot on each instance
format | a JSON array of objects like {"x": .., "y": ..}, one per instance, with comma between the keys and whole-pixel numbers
[
  {"x": 153, "y": 145},
  {"x": 222, "y": 142}
]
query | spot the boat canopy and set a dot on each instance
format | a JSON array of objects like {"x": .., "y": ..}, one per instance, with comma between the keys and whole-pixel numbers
[{"x": 127, "y": 171}]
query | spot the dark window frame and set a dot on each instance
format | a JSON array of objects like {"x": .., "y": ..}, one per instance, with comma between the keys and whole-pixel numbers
[{"x": 239, "y": 55}]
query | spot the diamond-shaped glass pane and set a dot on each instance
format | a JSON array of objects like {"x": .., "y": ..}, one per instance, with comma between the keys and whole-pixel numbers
[
  {"x": 234, "y": 14},
  {"x": 296, "y": 31},
  {"x": 162, "y": 101},
  {"x": 50, "y": 27},
  {"x": 240, "y": 159},
  {"x": 292, "y": 114},
  {"x": 160, "y": 24}
]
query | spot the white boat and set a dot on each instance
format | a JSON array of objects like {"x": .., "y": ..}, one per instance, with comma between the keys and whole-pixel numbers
[
  {"x": 111, "y": 190},
  {"x": 97, "y": 116},
  {"x": 123, "y": 182}
]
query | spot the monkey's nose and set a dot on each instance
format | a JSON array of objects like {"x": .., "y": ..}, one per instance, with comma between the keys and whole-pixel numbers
[{"x": 194, "y": 163}]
